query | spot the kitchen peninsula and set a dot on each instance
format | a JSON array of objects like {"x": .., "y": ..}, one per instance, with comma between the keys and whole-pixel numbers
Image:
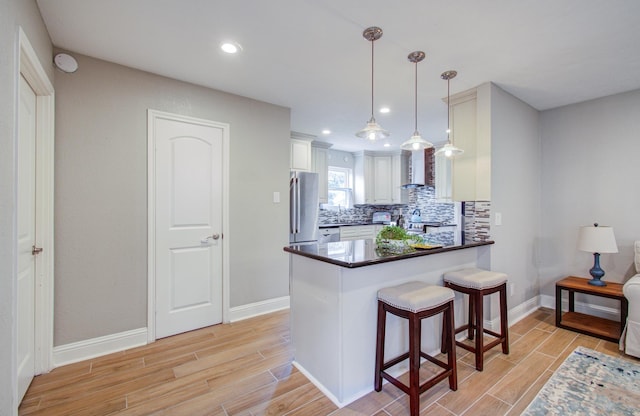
[{"x": 333, "y": 290}]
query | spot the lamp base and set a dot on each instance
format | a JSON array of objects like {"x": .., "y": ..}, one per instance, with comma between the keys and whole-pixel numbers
[
  {"x": 596, "y": 282},
  {"x": 596, "y": 272}
]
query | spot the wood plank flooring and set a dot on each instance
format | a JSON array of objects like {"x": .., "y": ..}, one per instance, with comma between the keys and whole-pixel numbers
[{"x": 245, "y": 368}]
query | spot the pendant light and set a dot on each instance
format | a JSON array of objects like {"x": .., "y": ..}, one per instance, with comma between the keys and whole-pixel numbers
[
  {"x": 449, "y": 150},
  {"x": 416, "y": 142},
  {"x": 372, "y": 130}
]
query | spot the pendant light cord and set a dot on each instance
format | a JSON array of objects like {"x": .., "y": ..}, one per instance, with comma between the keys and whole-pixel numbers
[
  {"x": 448, "y": 111},
  {"x": 415, "y": 115},
  {"x": 373, "y": 40}
]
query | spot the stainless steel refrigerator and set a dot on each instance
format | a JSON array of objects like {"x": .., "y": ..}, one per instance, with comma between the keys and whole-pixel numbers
[{"x": 303, "y": 209}]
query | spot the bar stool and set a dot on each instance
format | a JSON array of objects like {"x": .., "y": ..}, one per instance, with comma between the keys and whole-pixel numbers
[
  {"x": 415, "y": 301},
  {"x": 478, "y": 283}
]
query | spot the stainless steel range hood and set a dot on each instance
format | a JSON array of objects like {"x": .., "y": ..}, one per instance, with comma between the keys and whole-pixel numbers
[{"x": 419, "y": 161}]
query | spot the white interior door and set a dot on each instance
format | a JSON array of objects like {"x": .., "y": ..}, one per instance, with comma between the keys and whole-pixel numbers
[
  {"x": 188, "y": 212},
  {"x": 26, "y": 237}
]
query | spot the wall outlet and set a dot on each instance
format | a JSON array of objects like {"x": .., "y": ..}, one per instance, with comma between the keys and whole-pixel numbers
[
  {"x": 512, "y": 289},
  {"x": 276, "y": 197},
  {"x": 498, "y": 218}
]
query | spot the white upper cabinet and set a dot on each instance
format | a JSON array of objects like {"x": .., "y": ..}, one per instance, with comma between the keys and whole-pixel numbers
[
  {"x": 399, "y": 177},
  {"x": 443, "y": 179},
  {"x": 300, "y": 152},
  {"x": 320, "y": 165},
  {"x": 379, "y": 177},
  {"x": 363, "y": 172},
  {"x": 471, "y": 131},
  {"x": 382, "y": 180}
]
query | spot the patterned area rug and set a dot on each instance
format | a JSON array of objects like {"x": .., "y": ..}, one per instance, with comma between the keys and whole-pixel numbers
[{"x": 590, "y": 383}]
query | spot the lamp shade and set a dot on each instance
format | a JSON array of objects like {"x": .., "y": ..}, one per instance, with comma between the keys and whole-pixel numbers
[
  {"x": 595, "y": 239},
  {"x": 415, "y": 143},
  {"x": 373, "y": 131}
]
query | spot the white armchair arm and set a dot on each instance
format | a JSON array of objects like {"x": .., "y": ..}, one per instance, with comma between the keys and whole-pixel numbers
[{"x": 631, "y": 338}]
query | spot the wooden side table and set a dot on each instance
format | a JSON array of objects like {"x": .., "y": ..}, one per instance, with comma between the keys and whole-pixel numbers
[{"x": 588, "y": 324}]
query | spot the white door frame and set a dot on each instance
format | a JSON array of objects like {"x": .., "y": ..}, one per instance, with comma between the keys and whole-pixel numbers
[
  {"x": 33, "y": 72},
  {"x": 152, "y": 115}
]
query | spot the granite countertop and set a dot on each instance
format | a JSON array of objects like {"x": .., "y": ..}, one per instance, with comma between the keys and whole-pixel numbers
[{"x": 359, "y": 253}]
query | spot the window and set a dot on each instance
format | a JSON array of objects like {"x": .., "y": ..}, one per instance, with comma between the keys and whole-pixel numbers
[{"x": 340, "y": 193}]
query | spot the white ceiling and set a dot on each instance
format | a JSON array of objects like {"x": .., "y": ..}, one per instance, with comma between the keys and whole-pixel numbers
[{"x": 310, "y": 55}]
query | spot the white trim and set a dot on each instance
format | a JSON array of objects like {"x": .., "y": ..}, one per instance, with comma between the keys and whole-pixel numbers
[
  {"x": 96, "y": 347},
  {"x": 31, "y": 69},
  {"x": 324, "y": 390},
  {"x": 258, "y": 308},
  {"x": 151, "y": 213}
]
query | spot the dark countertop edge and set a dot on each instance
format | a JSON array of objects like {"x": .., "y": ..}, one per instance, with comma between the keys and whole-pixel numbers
[{"x": 417, "y": 253}]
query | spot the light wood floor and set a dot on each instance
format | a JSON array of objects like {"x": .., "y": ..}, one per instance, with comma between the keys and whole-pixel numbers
[{"x": 245, "y": 368}]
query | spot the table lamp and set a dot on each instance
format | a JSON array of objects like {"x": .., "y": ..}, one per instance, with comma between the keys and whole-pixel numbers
[{"x": 597, "y": 240}]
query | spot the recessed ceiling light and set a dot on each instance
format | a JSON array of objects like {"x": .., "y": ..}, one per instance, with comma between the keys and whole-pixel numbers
[
  {"x": 231, "y": 47},
  {"x": 387, "y": 145},
  {"x": 326, "y": 131},
  {"x": 385, "y": 110}
]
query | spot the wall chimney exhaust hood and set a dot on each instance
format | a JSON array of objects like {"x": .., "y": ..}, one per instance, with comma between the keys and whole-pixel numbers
[{"x": 421, "y": 169}]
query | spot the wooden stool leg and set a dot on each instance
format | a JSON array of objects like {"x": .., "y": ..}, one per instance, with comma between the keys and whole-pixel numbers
[
  {"x": 449, "y": 329},
  {"x": 382, "y": 318},
  {"x": 444, "y": 343},
  {"x": 471, "y": 320},
  {"x": 504, "y": 327},
  {"x": 479, "y": 323},
  {"x": 414, "y": 364}
]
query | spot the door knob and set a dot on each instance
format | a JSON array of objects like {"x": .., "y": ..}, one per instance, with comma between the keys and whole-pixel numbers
[
  {"x": 210, "y": 237},
  {"x": 36, "y": 250}
]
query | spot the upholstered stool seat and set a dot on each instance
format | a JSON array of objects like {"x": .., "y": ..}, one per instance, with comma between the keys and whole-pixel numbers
[
  {"x": 478, "y": 283},
  {"x": 415, "y": 301}
]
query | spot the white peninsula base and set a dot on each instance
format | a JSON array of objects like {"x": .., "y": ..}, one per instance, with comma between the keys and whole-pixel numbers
[{"x": 334, "y": 312}]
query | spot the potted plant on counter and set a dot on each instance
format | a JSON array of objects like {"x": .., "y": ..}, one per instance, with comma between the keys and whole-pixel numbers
[{"x": 395, "y": 240}]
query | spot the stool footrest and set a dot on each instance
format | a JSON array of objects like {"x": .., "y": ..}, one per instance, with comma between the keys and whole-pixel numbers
[
  {"x": 395, "y": 361},
  {"x": 493, "y": 343},
  {"x": 485, "y": 348},
  {"x": 492, "y": 333},
  {"x": 423, "y": 387}
]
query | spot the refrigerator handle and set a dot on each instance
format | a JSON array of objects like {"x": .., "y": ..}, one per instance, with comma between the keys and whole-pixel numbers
[
  {"x": 298, "y": 206},
  {"x": 294, "y": 206}
]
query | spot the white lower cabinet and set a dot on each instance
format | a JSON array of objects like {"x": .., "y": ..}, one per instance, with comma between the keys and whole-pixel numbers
[{"x": 357, "y": 232}]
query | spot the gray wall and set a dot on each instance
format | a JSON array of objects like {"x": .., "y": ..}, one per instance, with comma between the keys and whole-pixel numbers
[
  {"x": 101, "y": 194},
  {"x": 13, "y": 13},
  {"x": 590, "y": 156},
  {"x": 515, "y": 192}
]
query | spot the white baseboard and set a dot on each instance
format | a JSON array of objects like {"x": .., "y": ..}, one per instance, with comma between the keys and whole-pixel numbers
[
  {"x": 515, "y": 314},
  {"x": 582, "y": 307},
  {"x": 258, "y": 308},
  {"x": 95, "y": 347},
  {"x": 321, "y": 387}
]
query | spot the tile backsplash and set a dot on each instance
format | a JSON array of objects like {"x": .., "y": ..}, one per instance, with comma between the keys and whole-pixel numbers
[
  {"x": 475, "y": 215},
  {"x": 477, "y": 220},
  {"x": 422, "y": 199}
]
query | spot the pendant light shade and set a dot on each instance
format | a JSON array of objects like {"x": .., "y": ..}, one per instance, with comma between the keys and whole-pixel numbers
[
  {"x": 372, "y": 130},
  {"x": 449, "y": 150},
  {"x": 416, "y": 142}
]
